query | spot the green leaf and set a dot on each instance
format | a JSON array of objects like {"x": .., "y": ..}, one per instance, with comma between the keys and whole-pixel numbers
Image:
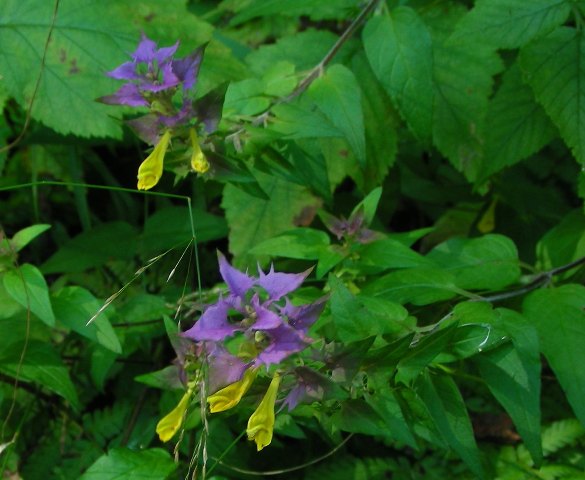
[
  {"x": 369, "y": 205},
  {"x": 299, "y": 120},
  {"x": 563, "y": 243},
  {"x": 171, "y": 227},
  {"x": 559, "y": 318},
  {"x": 252, "y": 220},
  {"x": 419, "y": 286},
  {"x": 555, "y": 69},
  {"x": 167, "y": 378},
  {"x": 77, "y": 57},
  {"x": 517, "y": 126},
  {"x": 463, "y": 82},
  {"x": 337, "y": 94},
  {"x": 447, "y": 409},
  {"x": 514, "y": 379},
  {"x": 74, "y": 306},
  {"x": 125, "y": 464},
  {"x": 358, "y": 417},
  {"x": 245, "y": 98},
  {"x": 301, "y": 243},
  {"x": 389, "y": 253},
  {"x": 511, "y": 23},
  {"x": 23, "y": 237},
  {"x": 42, "y": 365},
  {"x": 93, "y": 248},
  {"x": 488, "y": 262},
  {"x": 353, "y": 319},
  {"x": 28, "y": 287},
  {"x": 400, "y": 51}
]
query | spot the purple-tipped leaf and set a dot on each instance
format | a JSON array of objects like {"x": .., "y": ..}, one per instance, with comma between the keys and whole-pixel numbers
[
  {"x": 279, "y": 284},
  {"x": 238, "y": 282},
  {"x": 213, "y": 324},
  {"x": 224, "y": 369},
  {"x": 302, "y": 317},
  {"x": 265, "y": 319},
  {"x": 128, "y": 94},
  {"x": 284, "y": 341}
]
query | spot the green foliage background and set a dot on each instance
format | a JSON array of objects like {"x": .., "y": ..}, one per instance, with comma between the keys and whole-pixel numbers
[{"x": 455, "y": 336}]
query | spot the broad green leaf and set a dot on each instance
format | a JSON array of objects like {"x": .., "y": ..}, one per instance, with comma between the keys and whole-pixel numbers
[
  {"x": 245, "y": 98},
  {"x": 463, "y": 82},
  {"x": 114, "y": 240},
  {"x": 42, "y": 365},
  {"x": 390, "y": 254},
  {"x": 301, "y": 243},
  {"x": 23, "y": 237},
  {"x": 252, "y": 220},
  {"x": 101, "y": 363},
  {"x": 171, "y": 227},
  {"x": 563, "y": 243},
  {"x": 354, "y": 320},
  {"x": 28, "y": 287},
  {"x": 126, "y": 464},
  {"x": 419, "y": 286},
  {"x": 517, "y": 126},
  {"x": 386, "y": 405},
  {"x": 167, "y": 378},
  {"x": 400, "y": 51},
  {"x": 74, "y": 306},
  {"x": 488, "y": 262},
  {"x": 559, "y": 318},
  {"x": 421, "y": 354},
  {"x": 338, "y": 96},
  {"x": 299, "y": 120},
  {"x": 447, "y": 409},
  {"x": 86, "y": 42},
  {"x": 514, "y": 379},
  {"x": 280, "y": 80},
  {"x": 511, "y": 23},
  {"x": 358, "y": 417},
  {"x": 555, "y": 69}
]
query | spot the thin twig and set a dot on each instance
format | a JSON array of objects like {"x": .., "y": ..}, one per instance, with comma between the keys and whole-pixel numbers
[{"x": 33, "y": 97}]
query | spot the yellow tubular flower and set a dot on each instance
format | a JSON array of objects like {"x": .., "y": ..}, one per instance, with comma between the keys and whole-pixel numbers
[
  {"x": 151, "y": 169},
  {"x": 170, "y": 424},
  {"x": 261, "y": 423},
  {"x": 198, "y": 161},
  {"x": 228, "y": 397}
]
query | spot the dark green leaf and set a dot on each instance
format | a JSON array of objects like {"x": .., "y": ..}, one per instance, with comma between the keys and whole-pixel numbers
[
  {"x": 400, "y": 51},
  {"x": 358, "y": 417},
  {"x": 559, "y": 318},
  {"x": 563, "y": 243},
  {"x": 555, "y": 69}
]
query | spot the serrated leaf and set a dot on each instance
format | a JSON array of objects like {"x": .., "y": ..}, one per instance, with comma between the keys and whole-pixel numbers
[
  {"x": 252, "y": 220},
  {"x": 517, "y": 126},
  {"x": 338, "y": 95},
  {"x": 74, "y": 306},
  {"x": 511, "y": 23},
  {"x": 559, "y": 318},
  {"x": 447, "y": 409},
  {"x": 563, "y": 243},
  {"x": 513, "y": 377},
  {"x": 463, "y": 82},
  {"x": 400, "y": 51},
  {"x": 41, "y": 364},
  {"x": 555, "y": 69},
  {"x": 86, "y": 42},
  {"x": 28, "y": 287},
  {"x": 488, "y": 262},
  {"x": 125, "y": 464}
]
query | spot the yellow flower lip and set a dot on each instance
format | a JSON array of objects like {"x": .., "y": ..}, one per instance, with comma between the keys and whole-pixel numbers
[
  {"x": 261, "y": 423},
  {"x": 199, "y": 162},
  {"x": 170, "y": 423},
  {"x": 151, "y": 169},
  {"x": 228, "y": 397}
]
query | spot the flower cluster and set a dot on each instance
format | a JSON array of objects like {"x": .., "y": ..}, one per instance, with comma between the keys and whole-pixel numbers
[
  {"x": 249, "y": 329},
  {"x": 165, "y": 85}
]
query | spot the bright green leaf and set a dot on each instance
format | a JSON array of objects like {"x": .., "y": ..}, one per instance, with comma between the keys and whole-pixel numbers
[
  {"x": 23, "y": 237},
  {"x": 74, "y": 306},
  {"x": 555, "y": 69},
  {"x": 400, "y": 51},
  {"x": 126, "y": 464},
  {"x": 337, "y": 94},
  {"x": 28, "y": 287},
  {"x": 301, "y": 243}
]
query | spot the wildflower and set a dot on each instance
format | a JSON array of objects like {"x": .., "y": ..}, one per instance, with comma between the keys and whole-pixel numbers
[
  {"x": 198, "y": 161},
  {"x": 228, "y": 397},
  {"x": 261, "y": 423},
  {"x": 151, "y": 169},
  {"x": 170, "y": 423}
]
